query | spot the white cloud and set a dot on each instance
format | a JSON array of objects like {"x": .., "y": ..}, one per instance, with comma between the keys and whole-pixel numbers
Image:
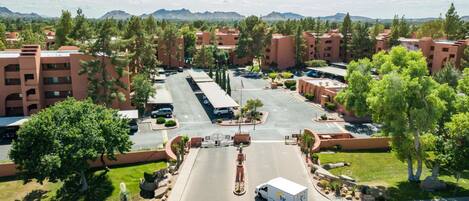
[{"x": 371, "y": 8}]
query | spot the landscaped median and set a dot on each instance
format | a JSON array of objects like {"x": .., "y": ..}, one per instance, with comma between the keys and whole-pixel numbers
[{"x": 245, "y": 121}]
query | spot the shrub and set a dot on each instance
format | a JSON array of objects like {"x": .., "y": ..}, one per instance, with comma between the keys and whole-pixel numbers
[
  {"x": 324, "y": 117},
  {"x": 314, "y": 158},
  {"x": 287, "y": 75},
  {"x": 330, "y": 106},
  {"x": 313, "y": 169},
  {"x": 170, "y": 123},
  {"x": 289, "y": 83},
  {"x": 160, "y": 120},
  {"x": 254, "y": 68},
  {"x": 316, "y": 63},
  {"x": 309, "y": 96},
  {"x": 292, "y": 88},
  {"x": 149, "y": 177},
  {"x": 279, "y": 84},
  {"x": 323, "y": 183},
  {"x": 337, "y": 147},
  {"x": 273, "y": 75}
]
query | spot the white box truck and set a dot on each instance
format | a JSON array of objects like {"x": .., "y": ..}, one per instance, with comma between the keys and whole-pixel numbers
[{"x": 280, "y": 189}]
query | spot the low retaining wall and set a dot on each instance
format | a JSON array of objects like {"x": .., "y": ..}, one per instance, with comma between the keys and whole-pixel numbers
[
  {"x": 244, "y": 138},
  {"x": 196, "y": 141},
  {"x": 357, "y": 143},
  {"x": 9, "y": 169}
]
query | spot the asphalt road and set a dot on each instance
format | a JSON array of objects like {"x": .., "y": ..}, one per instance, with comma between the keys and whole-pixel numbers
[
  {"x": 287, "y": 114},
  {"x": 213, "y": 174}
]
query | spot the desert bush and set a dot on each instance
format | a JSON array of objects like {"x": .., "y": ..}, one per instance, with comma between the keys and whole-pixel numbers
[
  {"x": 170, "y": 123},
  {"x": 289, "y": 83},
  {"x": 160, "y": 120},
  {"x": 286, "y": 75},
  {"x": 309, "y": 96},
  {"x": 330, "y": 106}
]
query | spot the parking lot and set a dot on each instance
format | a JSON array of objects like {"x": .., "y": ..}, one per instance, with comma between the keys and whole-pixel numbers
[
  {"x": 212, "y": 176},
  {"x": 287, "y": 114}
]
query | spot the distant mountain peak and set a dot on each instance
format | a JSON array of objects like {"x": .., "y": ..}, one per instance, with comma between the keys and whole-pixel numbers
[
  {"x": 275, "y": 15},
  {"x": 116, "y": 14}
]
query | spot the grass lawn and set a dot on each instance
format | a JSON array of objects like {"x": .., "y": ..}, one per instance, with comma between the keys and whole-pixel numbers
[
  {"x": 384, "y": 169},
  {"x": 102, "y": 187}
]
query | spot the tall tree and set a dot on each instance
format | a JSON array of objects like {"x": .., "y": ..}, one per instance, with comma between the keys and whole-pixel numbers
[
  {"x": 190, "y": 38},
  {"x": 27, "y": 36},
  {"x": 170, "y": 42},
  {"x": 3, "y": 40},
  {"x": 58, "y": 142},
  {"x": 395, "y": 34},
  {"x": 103, "y": 88},
  {"x": 361, "y": 44},
  {"x": 465, "y": 58},
  {"x": 404, "y": 28},
  {"x": 228, "y": 84},
  {"x": 317, "y": 39},
  {"x": 405, "y": 103},
  {"x": 81, "y": 30},
  {"x": 254, "y": 37},
  {"x": 63, "y": 29},
  {"x": 452, "y": 24},
  {"x": 358, "y": 78},
  {"x": 300, "y": 47},
  {"x": 203, "y": 58},
  {"x": 150, "y": 25},
  {"x": 346, "y": 32},
  {"x": 143, "y": 90}
]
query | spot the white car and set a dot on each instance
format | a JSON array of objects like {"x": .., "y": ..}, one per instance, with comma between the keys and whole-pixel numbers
[{"x": 221, "y": 111}]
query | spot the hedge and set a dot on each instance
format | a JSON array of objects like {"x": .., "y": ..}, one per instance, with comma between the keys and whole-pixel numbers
[
  {"x": 287, "y": 75},
  {"x": 160, "y": 120},
  {"x": 289, "y": 83},
  {"x": 316, "y": 63},
  {"x": 170, "y": 123},
  {"x": 330, "y": 106},
  {"x": 309, "y": 96}
]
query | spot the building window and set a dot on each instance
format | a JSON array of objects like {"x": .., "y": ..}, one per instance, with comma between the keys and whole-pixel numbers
[
  {"x": 220, "y": 43},
  {"x": 56, "y": 66},
  {"x": 30, "y": 92},
  {"x": 445, "y": 49},
  {"x": 12, "y": 81},
  {"x": 28, "y": 77},
  {"x": 13, "y": 97},
  {"x": 432, "y": 48},
  {"x": 267, "y": 57},
  {"x": 451, "y": 56},
  {"x": 236, "y": 38},
  {"x": 57, "y": 94},
  {"x": 57, "y": 80},
  {"x": 12, "y": 68},
  {"x": 267, "y": 50},
  {"x": 328, "y": 41}
]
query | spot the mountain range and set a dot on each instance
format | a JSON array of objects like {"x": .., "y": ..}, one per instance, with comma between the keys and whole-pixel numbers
[
  {"x": 5, "y": 12},
  {"x": 187, "y": 15}
]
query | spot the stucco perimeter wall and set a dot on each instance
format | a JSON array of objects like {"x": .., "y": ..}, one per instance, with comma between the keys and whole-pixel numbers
[
  {"x": 348, "y": 143},
  {"x": 357, "y": 143}
]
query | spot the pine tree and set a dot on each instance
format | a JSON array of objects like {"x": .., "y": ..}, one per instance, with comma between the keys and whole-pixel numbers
[
  {"x": 103, "y": 88},
  {"x": 346, "y": 31},
  {"x": 81, "y": 31},
  {"x": 217, "y": 76},
  {"x": 300, "y": 47},
  {"x": 223, "y": 80},
  {"x": 228, "y": 85},
  {"x": 63, "y": 29},
  {"x": 318, "y": 34},
  {"x": 394, "y": 40},
  {"x": 452, "y": 23}
]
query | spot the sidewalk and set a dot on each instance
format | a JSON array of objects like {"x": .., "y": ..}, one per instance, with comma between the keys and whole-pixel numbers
[{"x": 183, "y": 177}]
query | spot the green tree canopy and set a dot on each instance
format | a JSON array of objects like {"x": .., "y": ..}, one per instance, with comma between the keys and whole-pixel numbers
[
  {"x": 63, "y": 28},
  {"x": 143, "y": 90},
  {"x": 58, "y": 142}
]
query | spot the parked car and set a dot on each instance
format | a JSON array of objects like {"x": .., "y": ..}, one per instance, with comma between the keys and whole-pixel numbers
[
  {"x": 312, "y": 73},
  {"x": 180, "y": 69},
  {"x": 133, "y": 126},
  {"x": 252, "y": 75},
  {"x": 222, "y": 111},
  {"x": 163, "y": 112}
]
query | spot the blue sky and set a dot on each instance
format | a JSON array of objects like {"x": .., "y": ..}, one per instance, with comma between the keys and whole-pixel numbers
[{"x": 369, "y": 8}]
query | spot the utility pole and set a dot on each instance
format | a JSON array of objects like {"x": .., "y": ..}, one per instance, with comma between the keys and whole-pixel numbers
[{"x": 240, "y": 108}]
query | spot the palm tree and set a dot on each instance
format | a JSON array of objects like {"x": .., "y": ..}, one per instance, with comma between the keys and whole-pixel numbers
[{"x": 307, "y": 144}]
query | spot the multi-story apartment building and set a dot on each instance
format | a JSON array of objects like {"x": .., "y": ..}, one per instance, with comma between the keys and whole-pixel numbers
[
  {"x": 281, "y": 53},
  {"x": 32, "y": 79},
  {"x": 382, "y": 40},
  {"x": 225, "y": 39},
  {"x": 437, "y": 52}
]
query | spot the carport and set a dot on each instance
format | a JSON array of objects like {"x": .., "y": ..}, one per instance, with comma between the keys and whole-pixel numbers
[
  {"x": 216, "y": 95},
  {"x": 162, "y": 97},
  {"x": 331, "y": 72},
  {"x": 199, "y": 76},
  {"x": 9, "y": 126}
]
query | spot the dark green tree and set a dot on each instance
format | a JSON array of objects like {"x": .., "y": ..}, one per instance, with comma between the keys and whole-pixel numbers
[
  {"x": 448, "y": 75},
  {"x": 228, "y": 84},
  {"x": 452, "y": 24},
  {"x": 300, "y": 47},
  {"x": 150, "y": 25},
  {"x": 63, "y": 29},
  {"x": 169, "y": 42},
  {"x": 346, "y": 33},
  {"x": 103, "y": 88},
  {"x": 361, "y": 44},
  {"x": 190, "y": 38},
  {"x": 255, "y": 35},
  {"x": 143, "y": 89},
  {"x": 57, "y": 143},
  {"x": 81, "y": 30}
]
